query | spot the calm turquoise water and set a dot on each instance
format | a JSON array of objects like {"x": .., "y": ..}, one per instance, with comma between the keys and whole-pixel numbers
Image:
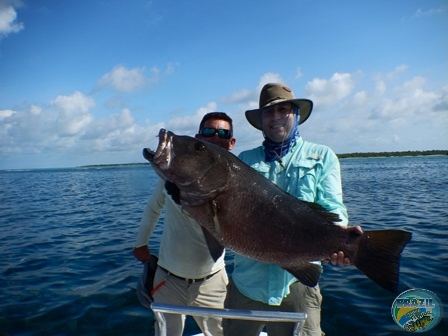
[{"x": 67, "y": 235}]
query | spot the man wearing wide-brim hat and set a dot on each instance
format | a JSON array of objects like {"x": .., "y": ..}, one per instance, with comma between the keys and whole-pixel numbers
[
  {"x": 309, "y": 171},
  {"x": 272, "y": 94}
]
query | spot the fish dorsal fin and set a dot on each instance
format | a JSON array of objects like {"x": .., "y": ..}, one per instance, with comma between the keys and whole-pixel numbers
[
  {"x": 308, "y": 273},
  {"x": 327, "y": 216},
  {"x": 214, "y": 246}
]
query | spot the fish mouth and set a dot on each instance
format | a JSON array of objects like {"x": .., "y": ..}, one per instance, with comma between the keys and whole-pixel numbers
[
  {"x": 162, "y": 156},
  {"x": 163, "y": 162}
]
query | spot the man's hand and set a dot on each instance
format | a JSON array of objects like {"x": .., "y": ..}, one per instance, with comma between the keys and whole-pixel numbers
[
  {"x": 338, "y": 259},
  {"x": 173, "y": 191},
  {"x": 142, "y": 253}
]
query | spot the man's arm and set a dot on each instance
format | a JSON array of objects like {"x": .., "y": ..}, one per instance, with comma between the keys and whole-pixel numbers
[
  {"x": 330, "y": 196},
  {"x": 329, "y": 188},
  {"x": 148, "y": 222}
]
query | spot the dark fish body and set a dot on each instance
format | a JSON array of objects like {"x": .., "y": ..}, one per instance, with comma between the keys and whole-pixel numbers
[{"x": 240, "y": 209}]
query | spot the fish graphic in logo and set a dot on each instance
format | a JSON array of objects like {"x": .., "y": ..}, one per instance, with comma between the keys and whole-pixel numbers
[
  {"x": 417, "y": 310},
  {"x": 420, "y": 323}
]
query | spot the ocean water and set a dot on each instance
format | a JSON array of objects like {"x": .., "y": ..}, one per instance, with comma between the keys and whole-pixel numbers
[{"x": 66, "y": 265}]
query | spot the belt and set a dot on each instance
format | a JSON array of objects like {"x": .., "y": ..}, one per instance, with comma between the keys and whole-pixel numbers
[{"x": 189, "y": 281}]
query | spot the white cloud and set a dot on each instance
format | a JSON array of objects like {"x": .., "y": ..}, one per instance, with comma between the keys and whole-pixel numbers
[
  {"x": 390, "y": 116},
  {"x": 101, "y": 128},
  {"x": 189, "y": 124},
  {"x": 67, "y": 128},
  {"x": 408, "y": 101},
  {"x": 6, "y": 113},
  {"x": 8, "y": 16},
  {"x": 117, "y": 132},
  {"x": 75, "y": 103},
  {"x": 325, "y": 92},
  {"x": 122, "y": 79},
  {"x": 73, "y": 113},
  {"x": 402, "y": 115},
  {"x": 360, "y": 98},
  {"x": 36, "y": 110},
  {"x": 269, "y": 77},
  {"x": 249, "y": 98},
  {"x": 401, "y": 68},
  {"x": 419, "y": 13},
  {"x": 240, "y": 96},
  {"x": 54, "y": 127},
  {"x": 380, "y": 87},
  {"x": 442, "y": 102},
  {"x": 24, "y": 131}
]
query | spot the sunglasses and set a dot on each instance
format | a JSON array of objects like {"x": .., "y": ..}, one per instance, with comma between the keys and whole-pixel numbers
[{"x": 209, "y": 132}]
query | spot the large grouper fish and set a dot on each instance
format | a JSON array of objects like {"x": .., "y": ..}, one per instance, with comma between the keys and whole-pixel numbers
[{"x": 240, "y": 209}]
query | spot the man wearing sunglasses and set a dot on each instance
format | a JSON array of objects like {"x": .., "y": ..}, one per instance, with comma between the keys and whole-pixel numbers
[
  {"x": 186, "y": 274},
  {"x": 217, "y": 128}
]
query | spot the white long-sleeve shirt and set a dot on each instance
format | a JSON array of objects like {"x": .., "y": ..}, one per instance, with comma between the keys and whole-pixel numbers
[{"x": 183, "y": 250}]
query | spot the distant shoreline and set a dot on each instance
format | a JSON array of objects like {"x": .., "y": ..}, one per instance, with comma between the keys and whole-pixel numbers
[
  {"x": 392, "y": 154},
  {"x": 340, "y": 156}
]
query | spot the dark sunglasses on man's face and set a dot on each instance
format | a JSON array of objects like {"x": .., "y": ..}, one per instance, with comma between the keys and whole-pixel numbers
[{"x": 208, "y": 132}]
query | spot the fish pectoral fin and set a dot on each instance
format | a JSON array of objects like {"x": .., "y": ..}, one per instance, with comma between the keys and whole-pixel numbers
[
  {"x": 308, "y": 274},
  {"x": 214, "y": 246}
]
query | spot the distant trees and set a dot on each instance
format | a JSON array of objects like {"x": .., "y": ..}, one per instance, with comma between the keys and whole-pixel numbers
[
  {"x": 388, "y": 154},
  {"x": 341, "y": 156}
]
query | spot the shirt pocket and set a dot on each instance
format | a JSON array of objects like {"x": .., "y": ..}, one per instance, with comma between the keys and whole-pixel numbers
[{"x": 303, "y": 179}]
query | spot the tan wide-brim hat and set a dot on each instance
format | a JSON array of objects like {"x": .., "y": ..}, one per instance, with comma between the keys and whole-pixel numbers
[{"x": 274, "y": 93}]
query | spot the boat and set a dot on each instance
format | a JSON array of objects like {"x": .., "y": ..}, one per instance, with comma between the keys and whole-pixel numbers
[
  {"x": 253, "y": 315},
  {"x": 145, "y": 288}
]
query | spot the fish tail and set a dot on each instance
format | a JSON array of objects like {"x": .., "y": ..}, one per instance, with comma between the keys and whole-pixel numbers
[{"x": 378, "y": 256}]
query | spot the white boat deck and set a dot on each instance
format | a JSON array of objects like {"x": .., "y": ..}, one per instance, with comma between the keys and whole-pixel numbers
[
  {"x": 261, "y": 334},
  {"x": 257, "y": 315}
]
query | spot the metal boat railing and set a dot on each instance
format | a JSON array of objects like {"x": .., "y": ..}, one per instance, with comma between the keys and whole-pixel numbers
[{"x": 257, "y": 315}]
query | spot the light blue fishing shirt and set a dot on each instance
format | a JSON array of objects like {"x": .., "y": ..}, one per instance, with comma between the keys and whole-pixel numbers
[{"x": 311, "y": 172}]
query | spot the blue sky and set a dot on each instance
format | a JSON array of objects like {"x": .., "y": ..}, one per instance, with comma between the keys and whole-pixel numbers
[{"x": 91, "y": 82}]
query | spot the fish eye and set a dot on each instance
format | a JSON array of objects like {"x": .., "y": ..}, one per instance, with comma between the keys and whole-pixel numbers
[{"x": 199, "y": 146}]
